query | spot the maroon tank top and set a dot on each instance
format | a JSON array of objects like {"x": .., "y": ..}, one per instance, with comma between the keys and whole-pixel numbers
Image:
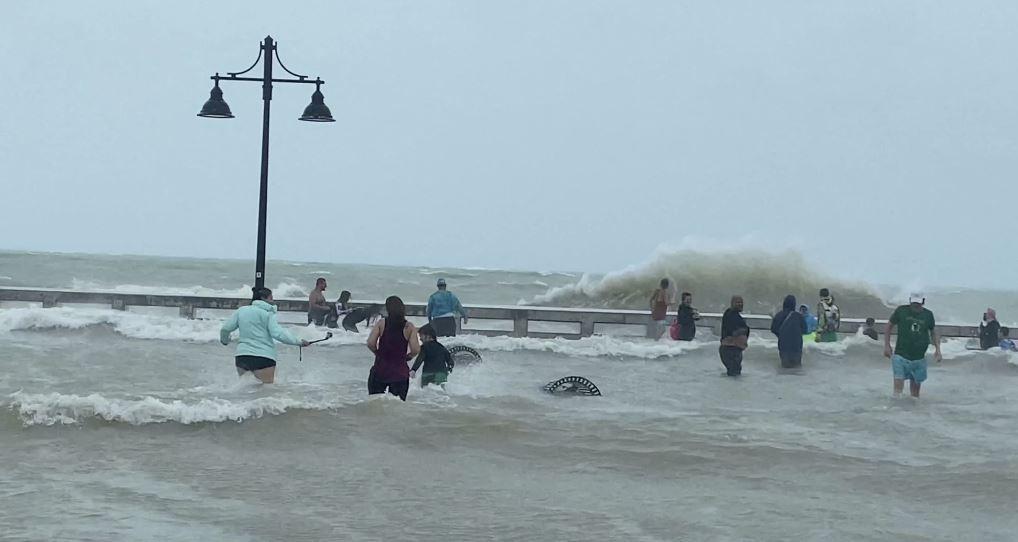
[{"x": 390, "y": 361}]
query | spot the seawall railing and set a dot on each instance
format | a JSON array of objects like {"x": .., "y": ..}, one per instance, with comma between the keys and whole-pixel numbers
[{"x": 492, "y": 320}]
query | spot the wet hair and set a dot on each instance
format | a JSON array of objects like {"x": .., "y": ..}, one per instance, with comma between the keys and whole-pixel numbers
[
  {"x": 260, "y": 294},
  {"x": 396, "y": 313},
  {"x": 344, "y": 296},
  {"x": 1004, "y": 332},
  {"x": 320, "y": 280},
  {"x": 870, "y": 321},
  {"x": 664, "y": 283},
  {"x": 824, "y": 292},
  {"x": 427, "y": 330},
  {"x": 685, "y": 295}
]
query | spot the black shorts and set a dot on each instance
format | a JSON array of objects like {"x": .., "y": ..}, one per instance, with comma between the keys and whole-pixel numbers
[
  {"x": 445, "y": 326},
  {"x": 399, "y": 389},
  {"x": 254, "y": 363}
]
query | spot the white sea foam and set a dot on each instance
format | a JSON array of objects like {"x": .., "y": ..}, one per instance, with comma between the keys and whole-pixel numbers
[
  {"x": 598, "y": 345},
  {"x": 57, "y": 408},
  {"x": 282, "y": 290}
]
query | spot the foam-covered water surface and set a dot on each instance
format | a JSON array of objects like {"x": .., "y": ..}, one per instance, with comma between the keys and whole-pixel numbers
[{"x": 130, "y": 426}]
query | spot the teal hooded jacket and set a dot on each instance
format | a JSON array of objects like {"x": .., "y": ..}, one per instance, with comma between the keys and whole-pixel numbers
[{"x": 258, "y": 327}]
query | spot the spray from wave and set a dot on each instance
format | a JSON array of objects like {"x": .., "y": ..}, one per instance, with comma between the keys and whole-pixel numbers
[{"x": 763, "y": 278}]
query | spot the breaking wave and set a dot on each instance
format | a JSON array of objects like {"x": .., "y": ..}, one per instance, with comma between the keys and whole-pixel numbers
[{"x": 762, "y": 278}]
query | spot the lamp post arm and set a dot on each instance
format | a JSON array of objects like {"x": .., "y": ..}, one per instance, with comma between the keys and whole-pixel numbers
[{"x": 260, "y": 80}]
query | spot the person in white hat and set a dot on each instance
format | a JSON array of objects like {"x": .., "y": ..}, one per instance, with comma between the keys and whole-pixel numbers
[{"x": 916, "y": 329}]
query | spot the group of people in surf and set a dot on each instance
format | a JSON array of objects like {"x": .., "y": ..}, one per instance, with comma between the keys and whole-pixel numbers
[
  {"x": 393, "y": 340},
  {"x": 915, "y": 324}
]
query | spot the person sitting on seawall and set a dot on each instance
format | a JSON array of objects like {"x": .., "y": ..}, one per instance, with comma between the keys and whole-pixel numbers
[
  {"x": 870, "y": 329},
  {"x": 437, "y": 361},
  {"x": 360, "y": 314},
  {"x": 394, "y": 342},
  {"x": 829, "y": 318},
  {"x": 341, "y": 309},
  {"x": 686, "y": 318},
  {"x": 319, "y": 310},
  {"x": 259, "y": 328},
  {"x": 789, "y": 325},
  {"x": 734, "y": 337},
  {"x": 989, "y": 330},
  {"x": 443, "y": 309},
  {"x": 659, "y": 302},
  {"x": 1006, "y": 343}
]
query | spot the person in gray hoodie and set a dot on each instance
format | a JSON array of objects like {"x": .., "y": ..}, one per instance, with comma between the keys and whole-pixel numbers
[{"x": 789, "y": 325}]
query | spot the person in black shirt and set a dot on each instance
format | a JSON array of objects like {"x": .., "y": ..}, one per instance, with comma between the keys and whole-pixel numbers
[
  {"x": 436, "y": 359},
  {"x": 687, "y": 317},
  {"x": 734, "y": 337},
  {"x": 989, "y": 330}
]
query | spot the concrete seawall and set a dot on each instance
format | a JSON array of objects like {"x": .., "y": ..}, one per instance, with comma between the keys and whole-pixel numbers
[{"x": 526, "y": 321}]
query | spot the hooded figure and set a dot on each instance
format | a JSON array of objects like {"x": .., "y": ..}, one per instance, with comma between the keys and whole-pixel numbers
[
  {"x": 989, "y": 330},
  {"x": 789, "y": 325}
]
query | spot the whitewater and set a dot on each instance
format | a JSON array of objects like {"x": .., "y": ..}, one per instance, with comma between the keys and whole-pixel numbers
[{"x": 132, "y": 425}]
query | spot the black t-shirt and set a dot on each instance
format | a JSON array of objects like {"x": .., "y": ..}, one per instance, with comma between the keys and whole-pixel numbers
[
  {"x": 731, "y": 322},
  {"x": 435, "y": 357}
]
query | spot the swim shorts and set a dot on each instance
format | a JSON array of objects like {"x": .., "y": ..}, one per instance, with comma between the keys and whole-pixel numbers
[
  {"x": 254, "y": 363},
  {"x": 433, "y": 378},
  {"x": 905, "y": 369}
]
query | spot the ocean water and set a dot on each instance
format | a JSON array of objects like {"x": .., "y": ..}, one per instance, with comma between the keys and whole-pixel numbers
[{"x": 134, "y": 426}]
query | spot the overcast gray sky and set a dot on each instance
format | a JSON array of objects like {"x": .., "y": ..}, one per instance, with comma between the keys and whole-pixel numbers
[{"x": 878, "y": 137}]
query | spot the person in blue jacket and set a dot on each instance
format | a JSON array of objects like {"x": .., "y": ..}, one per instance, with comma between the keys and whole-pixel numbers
[
  {"x": 443, "y": 310},
  {"x": 789, "y": 326},
  {"x": 811, "y": 321},
  {"x": 259, "y": 329}
]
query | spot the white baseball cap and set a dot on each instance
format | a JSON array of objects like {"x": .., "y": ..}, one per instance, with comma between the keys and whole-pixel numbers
[{"x": 916, "y": 297}]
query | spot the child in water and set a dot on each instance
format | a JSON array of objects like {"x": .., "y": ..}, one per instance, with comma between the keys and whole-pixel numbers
[{"x": 436, "y": 359}]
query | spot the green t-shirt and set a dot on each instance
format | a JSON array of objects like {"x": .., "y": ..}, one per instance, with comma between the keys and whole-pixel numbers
[{"x": 913, "y": 332}]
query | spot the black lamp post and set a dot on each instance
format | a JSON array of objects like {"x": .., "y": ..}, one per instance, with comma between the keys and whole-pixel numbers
[{"x": 216, "y": 108}]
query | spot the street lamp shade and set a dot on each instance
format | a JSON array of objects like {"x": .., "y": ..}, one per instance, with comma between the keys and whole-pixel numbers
[
  {"x": 215, "y": 107},
  {"x": 317, "y": 111}
]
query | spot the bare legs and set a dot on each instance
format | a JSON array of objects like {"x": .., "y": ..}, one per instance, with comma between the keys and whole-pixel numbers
[
  {"x": 266, "y": 375},
  {"x": 913, "y": 387}
]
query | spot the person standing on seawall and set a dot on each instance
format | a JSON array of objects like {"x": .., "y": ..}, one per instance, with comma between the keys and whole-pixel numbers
[
  {"x": 687, "y": 317},
  {"x": 789, "y": 325},
  {"x": 734, "y": 337},
  {"x": 659, "y": 302},
  {"x": 394, "y": 342},
  {"x": 829, "y": 318},
  {"x": 259, "y": 328},
  {"x": 443, "y": 310},
  {"x": 989, "y": 330},
  {"x": 916, "y": 329}
]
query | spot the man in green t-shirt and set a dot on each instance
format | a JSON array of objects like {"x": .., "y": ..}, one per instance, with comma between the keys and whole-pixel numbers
[{"x": 916, "y": 329}]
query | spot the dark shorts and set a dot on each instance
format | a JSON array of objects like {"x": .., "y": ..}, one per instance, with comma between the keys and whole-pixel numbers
[
  {"x": 399, "y": 389},
  {"x": 731, "y": 357},
  {"x": 790, "y": 360},
  {"x": 434, "y": 378},
  {"x": 444, "y": 327},
  {"x": 254, "y": 363}
]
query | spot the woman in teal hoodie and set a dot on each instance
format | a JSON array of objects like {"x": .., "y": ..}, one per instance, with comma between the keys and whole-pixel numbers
[{"x": 258, "y": 326}]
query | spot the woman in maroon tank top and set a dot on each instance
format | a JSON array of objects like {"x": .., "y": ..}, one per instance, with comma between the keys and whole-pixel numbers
[{"x": 394, "y": 341}]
